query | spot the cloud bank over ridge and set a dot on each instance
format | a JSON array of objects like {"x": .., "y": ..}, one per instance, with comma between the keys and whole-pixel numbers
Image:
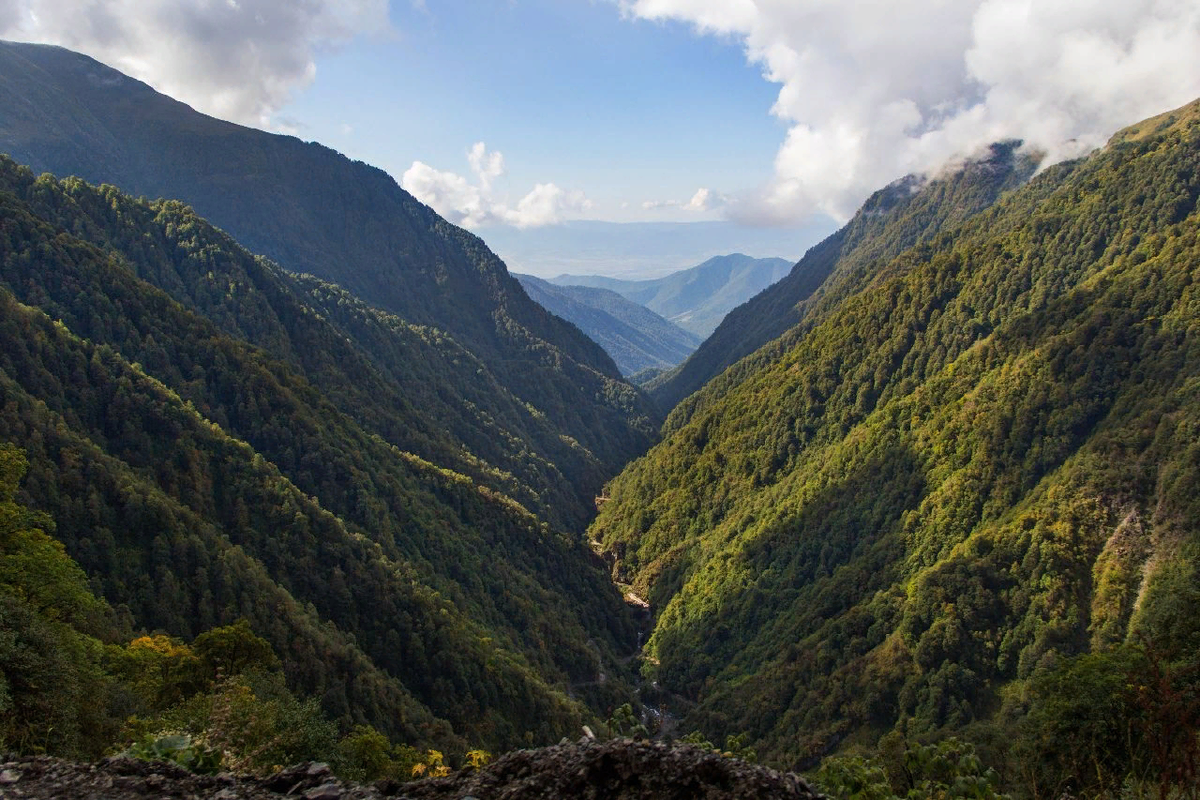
[
  {"x": 239, "y": 60},
  {"x": 867, "y": 91},
  {"x": 872, "y": 91}
]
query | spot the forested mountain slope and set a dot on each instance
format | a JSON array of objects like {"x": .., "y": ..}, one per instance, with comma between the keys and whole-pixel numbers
[
  {"x": 413, "y": 385},
  {"x": 203, "y": 462},
  {"x": 982, "y": 460},
  {"x": 314, "y": 211},
  {"x": 635, "y": 337},
  {"x": 893, "y": 219}
]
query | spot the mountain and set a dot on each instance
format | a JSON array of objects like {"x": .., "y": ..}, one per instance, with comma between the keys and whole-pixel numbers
[
  {"x": 639, "y": 250},
  {"x": 313, "y": 211},
  {"x": 959, "y": 494},
  {"x": 893, "y": 219},
  {"x": 695, "y": 299},
  {"x": 210, "y": 444},
  {"x": 389, "y": 487},
  {"x": 635, "y": 337}
]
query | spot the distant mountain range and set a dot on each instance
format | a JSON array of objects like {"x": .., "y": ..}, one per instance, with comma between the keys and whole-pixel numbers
[
  {"x": 635, "y": 337},
  {"x": 641, "y": 250},
  {"x": 695, "y": 299}
]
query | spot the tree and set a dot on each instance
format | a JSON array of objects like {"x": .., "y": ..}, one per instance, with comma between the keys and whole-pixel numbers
[{"x": 232, "y": 650}]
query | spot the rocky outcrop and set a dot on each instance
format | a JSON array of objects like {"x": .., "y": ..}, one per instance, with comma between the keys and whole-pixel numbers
[
  {"x": 43, "y": 778},
  {"x": 621, "y": 769}
]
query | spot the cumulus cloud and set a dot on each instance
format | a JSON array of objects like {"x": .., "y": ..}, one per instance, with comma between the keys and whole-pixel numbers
[
  {"x": 236, "y": 59},
  {"x": 476, "y": 204},
  {"x": 486, "y": 166},
  {"x": 703, "y": 200},
  {"x": 872, "y": 90}
]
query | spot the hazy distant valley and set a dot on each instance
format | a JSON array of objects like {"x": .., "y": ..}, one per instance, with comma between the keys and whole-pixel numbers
[
  {"x": 639, "y": 341},
  {"x": 642, "y": 251},
  {"x": 695, "y": 299},
  {"x": 649, "y": 326},
  {"x": 293, "y": 466}
]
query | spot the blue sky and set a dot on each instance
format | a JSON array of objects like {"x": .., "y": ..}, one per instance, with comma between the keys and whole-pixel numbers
[
  {"x": 573, "y": 93},
  {"x": 522, "y": 114}
]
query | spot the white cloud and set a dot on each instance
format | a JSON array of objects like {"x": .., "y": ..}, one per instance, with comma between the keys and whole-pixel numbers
[
  {"x": 545, "y": 205},
  {"x": 874, "y": 90},
  {"x": 486, "y": 166},
  {"x": 236, "y": 59},
  {"x": 703, "y": 200},
  {"x": 448, "y": 194},
  {"x": 475, "y": 204}
]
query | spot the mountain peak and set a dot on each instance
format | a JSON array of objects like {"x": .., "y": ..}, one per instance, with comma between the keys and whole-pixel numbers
[{"x": 1176, "y": 120}]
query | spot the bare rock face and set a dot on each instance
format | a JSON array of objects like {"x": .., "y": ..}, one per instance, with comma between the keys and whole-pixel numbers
[{"x": 617, "y": 770}]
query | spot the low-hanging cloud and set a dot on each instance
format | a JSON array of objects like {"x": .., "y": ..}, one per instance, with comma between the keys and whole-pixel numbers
[
  {"x": 872, "y": 90},
  {"x": 236, "y": 59},
  {"x": 475, "y": 204}
]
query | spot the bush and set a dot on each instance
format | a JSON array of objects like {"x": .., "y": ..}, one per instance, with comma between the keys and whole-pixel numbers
[{"x": 178, "y": 748}]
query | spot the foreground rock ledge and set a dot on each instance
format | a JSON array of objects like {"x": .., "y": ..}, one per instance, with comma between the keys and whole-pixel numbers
[{"x": 617, "y": 770}]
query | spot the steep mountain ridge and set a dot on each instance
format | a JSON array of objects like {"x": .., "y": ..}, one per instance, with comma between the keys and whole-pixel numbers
[
  {"x": 973, "y": 459},
  {"x": 416, "y": 387},
  {"x": 197, "y": 478},
  {"x": 314, "y": 211},
  {"x": 891, "y": 220},
  {"x": 635, "y": 337}
]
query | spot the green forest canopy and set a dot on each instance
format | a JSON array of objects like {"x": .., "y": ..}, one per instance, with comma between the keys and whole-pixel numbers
[
  {"x": 922, "y": 503},
  {"x": 198, "y": 478}
]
